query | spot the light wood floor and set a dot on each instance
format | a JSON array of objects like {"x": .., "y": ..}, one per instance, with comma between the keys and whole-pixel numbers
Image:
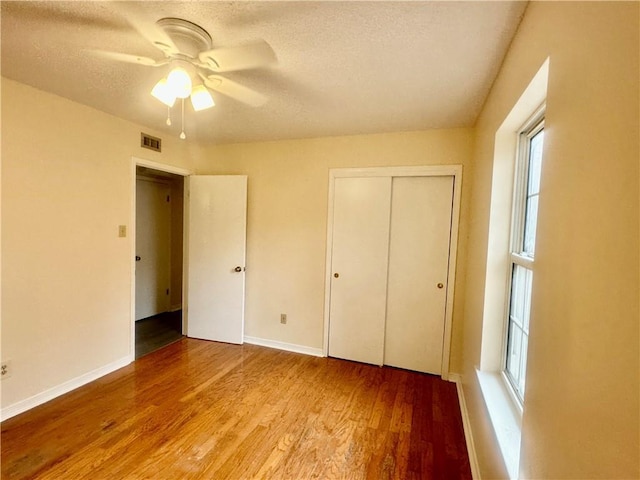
[{"x": 207, "y": 410}]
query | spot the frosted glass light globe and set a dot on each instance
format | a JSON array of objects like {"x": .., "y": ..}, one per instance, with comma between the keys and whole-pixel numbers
[{"x": 179, "y": 82}]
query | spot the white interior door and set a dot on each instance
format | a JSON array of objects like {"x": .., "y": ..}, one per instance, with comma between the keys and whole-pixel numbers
[
  {"x": 216, "y": 219},
  {"x": 360, "y": 250},
  {"x": 153, "y": 248},
  {"x": 418, "y": 263}
]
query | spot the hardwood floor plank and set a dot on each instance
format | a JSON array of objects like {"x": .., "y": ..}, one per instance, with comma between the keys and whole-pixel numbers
[{"x": 202, "y": 410}]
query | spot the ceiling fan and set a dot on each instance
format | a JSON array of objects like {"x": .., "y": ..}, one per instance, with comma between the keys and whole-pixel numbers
[{"x": 195, "y": 65}]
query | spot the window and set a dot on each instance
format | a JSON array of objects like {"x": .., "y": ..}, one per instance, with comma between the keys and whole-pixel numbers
[{"x": 522, "y": 250}]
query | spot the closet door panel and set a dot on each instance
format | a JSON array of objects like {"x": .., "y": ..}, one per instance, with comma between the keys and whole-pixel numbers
[
  {"x": 418, "y": 263},
  {"x": 359, "y": 268}
]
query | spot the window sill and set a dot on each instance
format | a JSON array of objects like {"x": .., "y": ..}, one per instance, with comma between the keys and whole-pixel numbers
[{"x": 505, "y": 415}]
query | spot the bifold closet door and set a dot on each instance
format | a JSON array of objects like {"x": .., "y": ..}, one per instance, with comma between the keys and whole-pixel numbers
[
  {"x": 360, "y": 252},
  {"x": 418, "y": 263}
]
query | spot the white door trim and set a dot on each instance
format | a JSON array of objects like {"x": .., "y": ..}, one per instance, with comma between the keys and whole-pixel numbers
[
  {"x": 142, "y": 162},
  {"x": 137, "y": 161},
  {"x": 412, "y": 171}
]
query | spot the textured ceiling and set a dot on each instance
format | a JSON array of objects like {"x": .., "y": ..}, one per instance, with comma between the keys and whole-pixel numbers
[{"x": 343, "y": 67}]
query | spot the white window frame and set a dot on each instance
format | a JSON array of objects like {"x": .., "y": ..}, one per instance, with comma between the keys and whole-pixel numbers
[{"x": 529, "y": 129}]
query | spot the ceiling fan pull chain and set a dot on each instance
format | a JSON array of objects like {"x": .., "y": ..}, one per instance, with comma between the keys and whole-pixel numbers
[
  {"x": 182, "y": 135},
  {"x": 168, "y": 115}
]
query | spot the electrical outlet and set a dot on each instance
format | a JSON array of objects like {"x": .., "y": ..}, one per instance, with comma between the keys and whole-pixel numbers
[
  {"x": 5, "y": 369},
  {"x": 283, "y": 318}
]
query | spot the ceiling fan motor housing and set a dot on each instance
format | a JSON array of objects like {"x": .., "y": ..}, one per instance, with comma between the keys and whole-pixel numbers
[{"x": 188, "y": 37}]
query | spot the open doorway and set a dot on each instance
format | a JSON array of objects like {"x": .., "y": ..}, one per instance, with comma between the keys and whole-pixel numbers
[{"x": 158, "y": 266}]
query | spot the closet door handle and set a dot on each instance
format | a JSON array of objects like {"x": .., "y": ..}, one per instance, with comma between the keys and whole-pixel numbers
[
  {"x": 440, "y": 285},
  {"x": 138, "y": 258},
  {"x": 237, "y": 269}
]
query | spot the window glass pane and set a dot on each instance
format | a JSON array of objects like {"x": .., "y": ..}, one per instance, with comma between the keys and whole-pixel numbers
[
  {"x": 530, "y": 223},
  {"x": 527, "y": 299},
  {"x": 514, "y": 351},
  {"x": 535, "y": 162},
  {"x": 516, "y": 309},
  {"x": 534, "y": 169},
  {"x": 523, "y": 364},
  {"x": 519, "y": 311}
]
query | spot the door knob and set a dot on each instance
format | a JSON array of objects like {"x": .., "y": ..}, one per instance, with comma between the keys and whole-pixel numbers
[
  {"x": 336, "y": 275},
  {"x": 440, "y": 285},
  {"x": 237, "y": 269},
  {"x": 138, "y": 258}
]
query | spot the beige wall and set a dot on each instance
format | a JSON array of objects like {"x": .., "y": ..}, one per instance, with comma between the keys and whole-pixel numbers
[
  {"x": 287, "y": 220},
  {"x": 582, "y": 399},
  {"x": 66, "y": 278}
]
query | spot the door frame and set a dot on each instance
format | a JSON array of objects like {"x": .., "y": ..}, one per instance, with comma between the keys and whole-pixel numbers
[
  {"x": 454, "y": 171},
  {"x": 142, "y": 162}
]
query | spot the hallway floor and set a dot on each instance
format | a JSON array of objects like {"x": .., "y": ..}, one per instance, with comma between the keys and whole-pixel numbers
[{"x": 158, "y": 331}]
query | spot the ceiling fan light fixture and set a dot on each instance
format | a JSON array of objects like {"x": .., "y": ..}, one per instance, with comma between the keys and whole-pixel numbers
[
  {"x": 179, "y": 82},
  {"x": 201, "y": 98},
  {"x": 162, "y": 92}
]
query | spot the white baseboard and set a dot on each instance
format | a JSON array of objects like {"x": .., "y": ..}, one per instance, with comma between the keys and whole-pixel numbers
[
  {"x": 289, "y": 347},
  {"x": 466, "y": 425},
  {"x": 43, "y": 397}
]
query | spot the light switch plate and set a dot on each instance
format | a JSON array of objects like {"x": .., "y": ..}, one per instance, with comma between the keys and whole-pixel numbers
[{"x": 122, "y": 230}]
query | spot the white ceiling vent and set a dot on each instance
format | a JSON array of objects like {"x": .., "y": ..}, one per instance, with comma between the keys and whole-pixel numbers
[{"x": 152, "y": 143}]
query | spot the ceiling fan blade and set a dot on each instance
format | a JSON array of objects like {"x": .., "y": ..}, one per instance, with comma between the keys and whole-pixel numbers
[
  {"x": 234, "y": 90},
  {"x": 134, "y": 13},
  {"x": 244, "y": 57},
  {"x": 125, "y": 57}
]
